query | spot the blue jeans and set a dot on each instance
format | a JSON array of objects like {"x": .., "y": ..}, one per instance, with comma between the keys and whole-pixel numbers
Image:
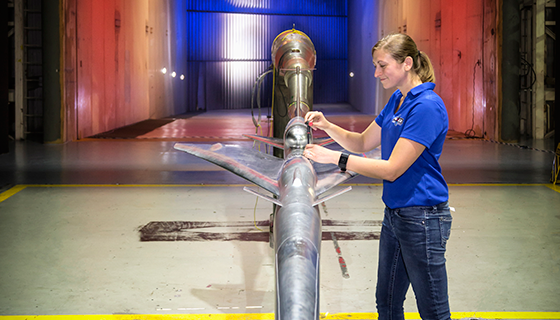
[{"x": 412, "y": 251}]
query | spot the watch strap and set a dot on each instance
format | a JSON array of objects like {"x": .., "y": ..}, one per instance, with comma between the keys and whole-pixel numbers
[{"x": 342, "y": 161}]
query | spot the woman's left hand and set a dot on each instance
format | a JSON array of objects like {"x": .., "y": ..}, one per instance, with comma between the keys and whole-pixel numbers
[{"x": 321, "y": 154}]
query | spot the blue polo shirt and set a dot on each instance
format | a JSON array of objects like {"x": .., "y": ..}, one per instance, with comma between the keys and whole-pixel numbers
[{"x": 421, "y": 118}]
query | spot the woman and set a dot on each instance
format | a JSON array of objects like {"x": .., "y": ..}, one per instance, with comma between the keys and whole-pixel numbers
[{"x": 411, "y": 130}]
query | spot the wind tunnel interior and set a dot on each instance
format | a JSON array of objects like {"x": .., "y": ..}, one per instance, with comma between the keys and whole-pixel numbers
[{"x": 158, "y": 58}]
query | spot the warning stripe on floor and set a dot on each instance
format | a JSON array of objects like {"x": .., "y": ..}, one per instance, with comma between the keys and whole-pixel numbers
[
  {"x": 15, "y": 189},
  {"x": 270, "y": 316}
]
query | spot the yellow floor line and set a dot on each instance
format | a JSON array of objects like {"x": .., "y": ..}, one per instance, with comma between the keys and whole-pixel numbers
[
  {"x": 270, "y": 316},
  {"x": 498, "y": 184},
  {"x": 10, "y": 192},
  {"x": 505, "y": 315},
  {"x": 132, "y": 185},
  {"x": 554, "y": 187}
]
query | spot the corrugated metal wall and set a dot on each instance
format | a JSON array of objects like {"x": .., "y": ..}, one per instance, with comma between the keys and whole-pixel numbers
[
  {"x": 287, "y": 7},
  {"x": 228, "y": 47}
]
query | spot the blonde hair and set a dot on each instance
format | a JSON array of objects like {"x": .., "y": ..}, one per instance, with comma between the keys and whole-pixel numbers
[{"x": 400, "y": 46}]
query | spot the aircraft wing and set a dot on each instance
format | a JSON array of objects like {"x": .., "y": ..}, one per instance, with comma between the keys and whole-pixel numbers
[
  {"x": 330, "y": 175},
  {"x": 262, "y": 169},
  {"x": 257, "y": 167}
]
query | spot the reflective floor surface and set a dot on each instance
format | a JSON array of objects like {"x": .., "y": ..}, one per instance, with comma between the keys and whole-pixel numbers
[{"x": 77, "y": 233}]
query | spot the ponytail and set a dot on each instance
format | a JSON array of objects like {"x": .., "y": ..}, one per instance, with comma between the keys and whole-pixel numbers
[{"x": 424, "y": 69}]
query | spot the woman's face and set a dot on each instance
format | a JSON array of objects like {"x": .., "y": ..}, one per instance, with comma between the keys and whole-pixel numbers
[{"x": 391, "y": 73}]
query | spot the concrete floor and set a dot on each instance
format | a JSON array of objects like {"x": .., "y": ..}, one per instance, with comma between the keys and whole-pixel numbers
[{"x": 72, "y": 217}]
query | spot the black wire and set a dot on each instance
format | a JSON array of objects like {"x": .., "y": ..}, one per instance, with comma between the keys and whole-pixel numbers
[
  {"x": 533, "y": 74},
  {"x": 256, "y": 92},
  {"x": 470, "y": 132}
]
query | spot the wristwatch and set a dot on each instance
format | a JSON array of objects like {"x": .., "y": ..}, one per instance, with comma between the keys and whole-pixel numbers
[{"x": 342, "y": 161}]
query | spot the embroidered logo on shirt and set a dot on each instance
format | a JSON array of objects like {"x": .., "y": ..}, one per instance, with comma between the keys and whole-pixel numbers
[{"x": 398, "y": 121}]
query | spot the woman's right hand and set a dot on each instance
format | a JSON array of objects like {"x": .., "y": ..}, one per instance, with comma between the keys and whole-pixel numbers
[{"x": 317, "y": 120}]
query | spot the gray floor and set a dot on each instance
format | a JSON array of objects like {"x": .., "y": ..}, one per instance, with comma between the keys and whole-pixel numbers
[{"x": 71, "y": 215}]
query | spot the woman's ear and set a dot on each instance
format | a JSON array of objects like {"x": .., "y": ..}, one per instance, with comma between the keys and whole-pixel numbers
[{"x": 408, "y": 63}]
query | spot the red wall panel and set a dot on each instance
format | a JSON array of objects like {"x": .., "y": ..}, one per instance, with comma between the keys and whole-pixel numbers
[{"x": 112, "y": 58}]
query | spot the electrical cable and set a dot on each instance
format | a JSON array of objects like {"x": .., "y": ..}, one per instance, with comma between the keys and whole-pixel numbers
[
  {"x": 533, "y": 74},
  {"x": 256, "y": 91},
  {"x": 257, "y": 86},
  {"x": 470, "y": 132}
]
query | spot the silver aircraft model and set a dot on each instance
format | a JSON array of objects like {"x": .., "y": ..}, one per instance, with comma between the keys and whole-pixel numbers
[{"x": 297, "y": 184}]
